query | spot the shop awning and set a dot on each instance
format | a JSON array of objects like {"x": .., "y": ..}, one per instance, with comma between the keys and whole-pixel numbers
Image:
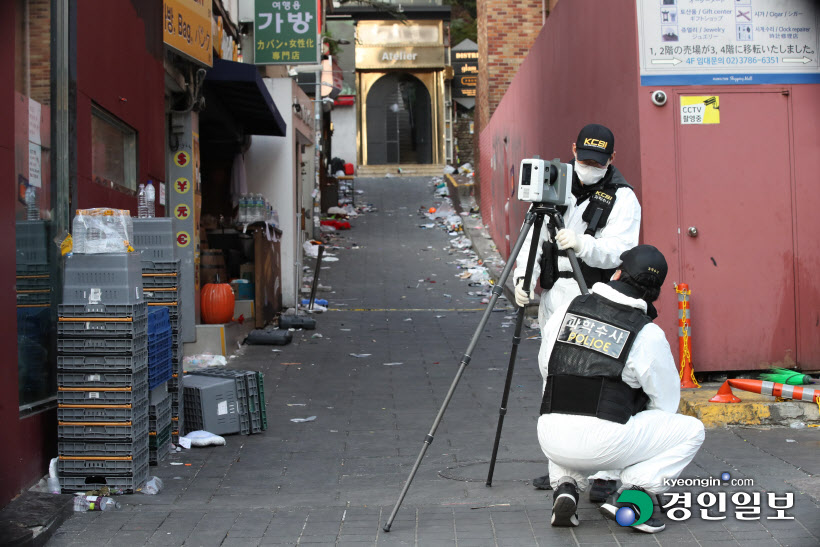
[{"x": 243, "y": 92}]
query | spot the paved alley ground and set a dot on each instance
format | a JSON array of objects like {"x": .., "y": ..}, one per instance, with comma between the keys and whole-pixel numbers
[{"x": 334, "y": 480}]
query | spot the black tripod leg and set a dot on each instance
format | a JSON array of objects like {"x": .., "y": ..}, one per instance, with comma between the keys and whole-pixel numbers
[
  {"x": 465, "y": 360},
  {"x": 519, "y": 322}
]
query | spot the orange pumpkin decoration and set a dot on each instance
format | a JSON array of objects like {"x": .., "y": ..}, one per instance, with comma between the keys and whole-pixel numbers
[{"x": 216, "y": 303}]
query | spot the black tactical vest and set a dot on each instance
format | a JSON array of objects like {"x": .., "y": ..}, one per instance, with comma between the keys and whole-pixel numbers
[{"x": 589, "y": 355}]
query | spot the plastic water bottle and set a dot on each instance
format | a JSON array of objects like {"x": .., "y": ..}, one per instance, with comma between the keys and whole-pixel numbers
[
  {"x": 150, "y": 197},
  {"x": 84, "y": 503},
  {"x": 242, "y": 217},
  {"x": 142, "y": 209},
  {"x": 260, "y": 208},
  {"x": 32, "y": 209}
]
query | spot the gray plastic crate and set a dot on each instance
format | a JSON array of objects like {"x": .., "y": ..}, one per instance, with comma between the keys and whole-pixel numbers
[
  {"x": 159, "y": 266},
  {"x": 163, "y": 280},
  {"x": 248, "y": 395},
  {"x": 105, "y": 464},
  {"x": 154, "y": 238},
  {"x": 110, "y": 278},
  {"x": 101, "y": 413},
  {"x": 134, "y": 362},
  {"x": 31, "y": 237},
  {"x": 211, "y": 404},
  {"x": 132, "y": 431},
  {"x": 86, "y": 346},
  {"x": 96, "y": 448},
  {"x": 156, "y": 456},
  {"x": 76, "y": 327},
  {"x": 135, "y": 394},
  {"x": 161, "y": 294},
  {"x": 34, "y": 282},
  {"x": 159, "y": 415},
  {"x": 117, "y": 484},
  {"x": 158, "y": 393},
  {"x": 103, "y": 310},
  {"x": 33, "y": 297},
  {"x": 105, "y": 379}
]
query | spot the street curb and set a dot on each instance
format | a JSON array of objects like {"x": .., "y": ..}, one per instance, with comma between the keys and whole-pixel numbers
[
  {"x": 33, "y": 517},
  {"x": 483, "y": 245},
  {"x": 754, "y": 409}
]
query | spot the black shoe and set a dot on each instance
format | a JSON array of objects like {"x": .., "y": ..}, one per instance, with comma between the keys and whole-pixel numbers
[
  {"x": 601, "y": 490},
  {"x": 565, "y": 505},
  {"x": 653, "y": 525},
  {"x": 542, "y": 483}
]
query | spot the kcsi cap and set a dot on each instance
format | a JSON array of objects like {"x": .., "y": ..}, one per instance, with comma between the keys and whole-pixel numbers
[
  {"x": 644, "y": 264},
  {"x": 595, "y": 142}
]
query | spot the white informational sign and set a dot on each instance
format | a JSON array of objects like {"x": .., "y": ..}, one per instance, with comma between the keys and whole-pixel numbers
[
  {"x": 162, "y": 193},
  {"x": 35, "y": 114},
  {"x": 728, "y": 42},
  {"x": 35, "y": 176}
]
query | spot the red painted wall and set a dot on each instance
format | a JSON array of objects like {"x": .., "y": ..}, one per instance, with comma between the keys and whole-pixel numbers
[
  {"x": 568, "y": 80},
  {"x": 120, "y": 68}
]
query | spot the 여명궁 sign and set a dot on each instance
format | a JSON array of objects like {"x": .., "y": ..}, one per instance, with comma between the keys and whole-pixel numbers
[
  {"x": 186, "y": 27},
  {"x": 286, "y": 32}
]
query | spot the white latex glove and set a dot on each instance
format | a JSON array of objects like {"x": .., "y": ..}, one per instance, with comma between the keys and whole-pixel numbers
[
  {"x": 568, "y": 239},
  {"x": 521, "y": 296}
]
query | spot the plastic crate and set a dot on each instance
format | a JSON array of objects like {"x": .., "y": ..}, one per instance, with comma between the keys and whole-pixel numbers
[
  {"x": 132, "y": 431},
  {"x": 76, "y": 327},
  {"x": 159, "y": 266},
  {"x": 92, "y": 448},
  {"x": 154, "y": 238},
  {"x": 33, "y": 297},
  {"x": 211, "y": 404},
  {"x": 118, "y": 484},
  {"x": 104, "y": 379},
  {"x": 156, "y": 456},
  {"x": 158, "y": 321},
  {"x": 260, "y": 381},
  {"x": 33, "y": 269},
  {"x": 247, "y": 395},
  {"x": 160, "y": 280},
  {"x": 118, "y": 311},
  {"x": 97, "y": 395},
  {"x": 101, "y": 413},
  {"x": 157, "y": 439},
  {"x": 32, "y": 282},
  {"x": 31, "y": 242},
  {"x": 161, "y": 295},
  {"x": 159, "y": 372},
  {"x": 108, "y": 465},
  {"x": 134, "y": 362},
  {"x": 159, "y": 415},
  {"x": 107, "y": 278},
  {"x": 89, "y": 346}
]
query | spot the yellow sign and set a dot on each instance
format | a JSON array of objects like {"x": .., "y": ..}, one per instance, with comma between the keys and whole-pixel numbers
[
  {"x": 182, "y": 211},
  {"x": 699, "y": 110},
  {"x": 182, "y": 185},
  {"x": 182, "y": 159},
  {"x": 186, "y": 27},
  {"x": 183, "y": 239},
  {"x": 399, "y": 56}
]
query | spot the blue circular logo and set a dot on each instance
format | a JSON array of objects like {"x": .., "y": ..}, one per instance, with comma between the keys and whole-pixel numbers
[
  {"x": 725, "y": 476},
  {"x": 625, "y": 516}
]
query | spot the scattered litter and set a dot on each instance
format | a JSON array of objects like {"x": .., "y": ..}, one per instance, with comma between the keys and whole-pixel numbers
[
  {"x": 205, "y": 360},
  {"x": 203, "y": 438},
  {"x": 153, "y": 486},
  {"x": 329, "y": 259},
  {"x": 176, "y": 463},
  {"x": 317, "y": 335},
  {"x": 277, "y": 350},
  {"x": 346, "y": 330},
  {"x": 440, "y": 316},
  {"x": 288, "y": 364},
  {"x": 185, "y": 443},
  {"x": 494, "y": 368},
  {"x": 409, "y": 319},
  {"x": 296, "y": 404},
  {"x": 392, "y": 364},
  {"x": 361, "y": 354},
  {"x": 300, "y": 420},
  {"x": 790, "y": 441}
]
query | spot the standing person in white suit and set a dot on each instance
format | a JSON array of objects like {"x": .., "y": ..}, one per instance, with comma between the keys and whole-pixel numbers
[
  {"x": 611, "y": 392},
  {"x": 601, "y": 222}
]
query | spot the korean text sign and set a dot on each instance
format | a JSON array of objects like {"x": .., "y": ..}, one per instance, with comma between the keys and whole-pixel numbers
[
  {"x": 186, "y": 26},
  {"x": 286, "y": 32}
]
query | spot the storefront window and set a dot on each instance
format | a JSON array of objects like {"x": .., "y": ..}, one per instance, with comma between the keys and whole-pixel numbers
[
  {"x": 114, "y": 150},
  {"x": 36, "y": 257}
]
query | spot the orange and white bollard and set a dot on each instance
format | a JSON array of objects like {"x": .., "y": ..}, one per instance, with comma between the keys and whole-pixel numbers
[{"x": 687, "y": 371}]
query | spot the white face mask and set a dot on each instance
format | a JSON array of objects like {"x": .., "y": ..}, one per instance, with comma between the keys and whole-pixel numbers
[{"x": 589, "y": 175}]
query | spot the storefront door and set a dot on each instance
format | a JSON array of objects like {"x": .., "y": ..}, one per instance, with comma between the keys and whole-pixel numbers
[{"x": 399, "y": 121}]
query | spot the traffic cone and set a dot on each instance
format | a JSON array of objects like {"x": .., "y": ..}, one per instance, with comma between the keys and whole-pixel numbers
[
  {"x": 724, "y": 395},
  {"x": 763, "y": 387},
  {"x": 687, "y": 371}
]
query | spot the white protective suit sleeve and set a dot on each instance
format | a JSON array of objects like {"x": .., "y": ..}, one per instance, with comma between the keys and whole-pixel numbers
[{"x": 649, "y": 365}]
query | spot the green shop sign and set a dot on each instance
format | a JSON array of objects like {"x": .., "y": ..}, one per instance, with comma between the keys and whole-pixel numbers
[{"x": 286, "y": 32}]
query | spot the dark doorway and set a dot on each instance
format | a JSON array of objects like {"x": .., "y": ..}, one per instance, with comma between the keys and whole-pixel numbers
[{"x": 399, "y": 121}]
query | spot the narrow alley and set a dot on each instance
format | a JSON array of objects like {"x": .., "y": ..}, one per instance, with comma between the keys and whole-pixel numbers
[{"x": 399, "y": 321}]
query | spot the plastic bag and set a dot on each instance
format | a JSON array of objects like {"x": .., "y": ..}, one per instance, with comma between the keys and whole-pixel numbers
[
  {"x": 153, "y": 486},
  {"x": 449, "y": 169},
  {"x": 203, "y": 438},
  {"x": 102, "y": 230}
]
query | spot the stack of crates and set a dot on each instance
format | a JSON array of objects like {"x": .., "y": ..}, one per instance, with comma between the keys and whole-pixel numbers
[
  {"x": 154, "y": 239},
  {"x": 102, "y": 375},
  {"x": 33, "y": 282},
  {"x": 159, "y": 425},
  {"x": 249, "y": 396},
  {"x": 159, "y": 347}
]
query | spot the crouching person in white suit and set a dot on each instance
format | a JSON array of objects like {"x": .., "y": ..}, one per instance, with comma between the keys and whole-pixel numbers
[{"x": 611, "y": 392}]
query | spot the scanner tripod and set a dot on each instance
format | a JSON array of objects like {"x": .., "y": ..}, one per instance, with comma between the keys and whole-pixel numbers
[{"x": 534, "y": 219}]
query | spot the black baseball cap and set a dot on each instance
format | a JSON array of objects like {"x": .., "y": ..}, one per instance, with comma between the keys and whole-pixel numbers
[
  {"x": 595, "y": 142},
  {"x": 644, "y": 264}
]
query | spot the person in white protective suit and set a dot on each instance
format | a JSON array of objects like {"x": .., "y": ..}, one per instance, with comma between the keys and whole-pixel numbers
[
  {"x": 611, "y": 392},
  {"x": 601, "y": 222}
]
